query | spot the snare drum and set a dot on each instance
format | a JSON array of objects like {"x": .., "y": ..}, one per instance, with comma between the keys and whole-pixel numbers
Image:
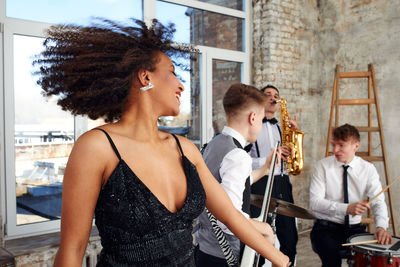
[{"x": 373, "y": 255}]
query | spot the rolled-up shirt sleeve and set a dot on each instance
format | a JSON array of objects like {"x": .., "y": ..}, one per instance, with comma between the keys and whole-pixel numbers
[
  {"x": 378, "y": 206},
  {"x": 235, "y": 169}
]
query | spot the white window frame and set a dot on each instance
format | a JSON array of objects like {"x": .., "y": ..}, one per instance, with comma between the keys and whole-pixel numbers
[
  {"x": 12, "y": 230},
  {"x": 11, "y": 26},
  {"x": 210, "y": 53}
]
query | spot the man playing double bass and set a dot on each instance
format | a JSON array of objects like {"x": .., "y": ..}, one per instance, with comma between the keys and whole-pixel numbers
[{"x": 269, "y": 135}]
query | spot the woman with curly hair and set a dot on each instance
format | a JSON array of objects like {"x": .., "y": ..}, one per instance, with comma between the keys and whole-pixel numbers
[{"x": 144, "y": 186}]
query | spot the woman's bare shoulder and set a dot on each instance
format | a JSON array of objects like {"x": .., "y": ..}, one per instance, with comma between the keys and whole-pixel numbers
[
  {"x": 190, "y": 150},
  {"x": 93, "y": 144},
  {"x": 92, "y": 138}
]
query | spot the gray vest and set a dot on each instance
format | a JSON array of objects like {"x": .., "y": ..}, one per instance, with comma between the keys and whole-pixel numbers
[{"x": 213, "y": 155}]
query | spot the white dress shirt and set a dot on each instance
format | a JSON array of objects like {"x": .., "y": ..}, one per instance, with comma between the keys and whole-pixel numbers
[
  {"x": 326, "y": 190},
  {"x": 267, "y": 138},
  {"x": 234, "y": 170}
]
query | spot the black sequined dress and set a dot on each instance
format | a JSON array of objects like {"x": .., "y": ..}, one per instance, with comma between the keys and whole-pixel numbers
[{"x": 136, "y": 229}]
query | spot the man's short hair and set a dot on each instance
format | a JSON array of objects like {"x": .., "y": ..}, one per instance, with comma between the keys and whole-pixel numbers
[
  {"x": 269, "y": 86},
  {"x": 346, "y": 132},
  {"x": 241, "y": 96}
]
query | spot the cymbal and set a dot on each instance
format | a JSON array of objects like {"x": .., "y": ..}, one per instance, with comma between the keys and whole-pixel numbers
[{"x": 284, "y": 208}]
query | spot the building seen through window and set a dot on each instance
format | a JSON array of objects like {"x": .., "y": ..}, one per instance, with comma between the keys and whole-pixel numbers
[{"x": 39, "y": 136}]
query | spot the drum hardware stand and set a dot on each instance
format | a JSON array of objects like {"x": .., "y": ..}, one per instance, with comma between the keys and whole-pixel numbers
[
  {"x": 390, "y": 260},
  {"x": 272, "y": 215},
  {"x": 351, "y": 261},
  {"x": 369, "y": 254},
  {"x": 371, "y": 100}
]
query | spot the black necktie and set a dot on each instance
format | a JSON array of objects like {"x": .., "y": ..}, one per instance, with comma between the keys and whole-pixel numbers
[
  {"x": 272, "y": 121},
  {"x": 346, "y": 194}
]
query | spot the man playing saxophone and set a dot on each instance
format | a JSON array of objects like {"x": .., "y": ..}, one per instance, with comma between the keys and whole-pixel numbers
[{"x": 282, "y": 188}]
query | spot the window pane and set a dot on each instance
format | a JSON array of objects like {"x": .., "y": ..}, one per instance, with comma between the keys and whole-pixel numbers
[
  {"x": 187, "y": 123},
  {"x": 44, "y": 136},
  {"x": 76, "y": 11},
  {"x": 235, "y": 4},
  {"x": 202, "y": 27},
  {"x": 225, "y": 73}
]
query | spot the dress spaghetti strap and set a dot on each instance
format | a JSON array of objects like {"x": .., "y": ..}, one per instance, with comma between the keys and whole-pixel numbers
[
  {"x": 111, "y": 142},
  {"x": 179, "y": 144}
]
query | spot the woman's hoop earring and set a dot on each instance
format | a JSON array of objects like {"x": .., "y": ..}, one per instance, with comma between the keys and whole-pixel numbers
[{"x": 147, "y": 87}]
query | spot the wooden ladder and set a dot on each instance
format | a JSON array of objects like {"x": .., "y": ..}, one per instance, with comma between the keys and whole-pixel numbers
[{"x": 371, "y": 100}]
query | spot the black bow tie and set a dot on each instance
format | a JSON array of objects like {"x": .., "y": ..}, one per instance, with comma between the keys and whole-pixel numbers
[
  {"x": 248, "y": 147},
  {"x": 272, "y": 121}
]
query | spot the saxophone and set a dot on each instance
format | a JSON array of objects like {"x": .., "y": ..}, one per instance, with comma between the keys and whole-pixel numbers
[{"x": 292, "y": 139}]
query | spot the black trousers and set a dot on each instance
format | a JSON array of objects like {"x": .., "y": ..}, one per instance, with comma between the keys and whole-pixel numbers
[
  {"x": 285, "y": 226},
  {"x": 327, "y": 239},
  {"x": 205, "y": 260}
]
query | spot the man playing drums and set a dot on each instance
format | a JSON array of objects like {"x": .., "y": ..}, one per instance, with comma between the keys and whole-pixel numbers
[{"x": 338, "y": 186}]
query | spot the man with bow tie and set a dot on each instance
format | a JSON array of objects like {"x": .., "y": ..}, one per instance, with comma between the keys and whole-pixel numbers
[
  {"x": 270, "y": 133},
  {"x": 231, "y": 166}
]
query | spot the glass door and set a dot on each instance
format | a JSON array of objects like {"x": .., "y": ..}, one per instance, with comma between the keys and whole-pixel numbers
[{"x": 222, "y": 68}]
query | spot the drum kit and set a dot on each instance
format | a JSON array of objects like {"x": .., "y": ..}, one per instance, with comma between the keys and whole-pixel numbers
[
  {"x": 364, "y": 250},
  {"x": 278, "y": 206},
  {"x": 281, "y": 207},
  {"x": 366, "y": 253}
]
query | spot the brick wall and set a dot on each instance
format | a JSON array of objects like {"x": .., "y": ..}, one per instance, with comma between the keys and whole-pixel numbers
[
  {"x": 296, "y": 46},
  {"x": 282, "y": 43},
  {"x": 34, "y": 253}
]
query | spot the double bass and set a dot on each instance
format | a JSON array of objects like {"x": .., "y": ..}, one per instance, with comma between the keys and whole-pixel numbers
[{"x": 250, "y": 257}]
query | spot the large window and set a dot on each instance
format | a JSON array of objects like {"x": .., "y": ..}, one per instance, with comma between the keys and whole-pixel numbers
[
  {"x": 37, "y": 136},
  {"x": 220, "y": 29},
  {"x": 236, "y": 4},
  {"x": 75, "y": 11},
  {"x": 224, "y": 73},
  {"x": 43, "y": 136},
  {"x": 202, "y": 27}
]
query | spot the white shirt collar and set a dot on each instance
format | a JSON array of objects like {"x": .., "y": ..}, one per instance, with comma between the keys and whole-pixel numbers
[
  {"x": 352, "y": 163},
  {"x": 235, "y": 134}
]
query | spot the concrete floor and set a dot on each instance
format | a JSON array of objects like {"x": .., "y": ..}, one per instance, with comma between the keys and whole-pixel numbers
[{"x": 306, "y": 257}]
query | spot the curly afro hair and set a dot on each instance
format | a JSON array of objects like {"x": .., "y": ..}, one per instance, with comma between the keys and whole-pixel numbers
[{"x": 90, "y": 68}]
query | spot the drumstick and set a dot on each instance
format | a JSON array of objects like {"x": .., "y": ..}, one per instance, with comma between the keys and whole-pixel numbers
[
  {"x": 383, "y": 190},
  {"x": 360, "y": 243}
]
